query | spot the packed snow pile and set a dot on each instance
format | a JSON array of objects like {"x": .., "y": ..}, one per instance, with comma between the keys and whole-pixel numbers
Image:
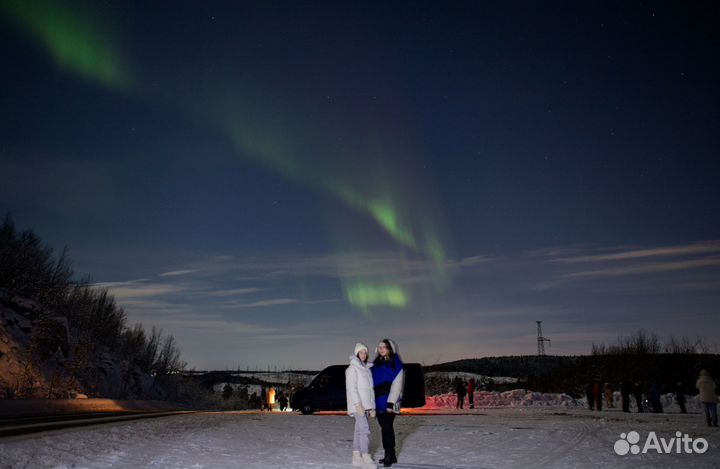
[
  {"x": 479, "y": 379},
  {"x": 525, "y": 398},
  {"x": 513, "y": 398}
]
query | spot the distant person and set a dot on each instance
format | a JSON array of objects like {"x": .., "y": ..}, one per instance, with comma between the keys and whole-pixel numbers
[
  {"x": 597, "y": 394},
  {"x": 360, "y": 404},
  {"x": 263, "y": 398},
  {"x": 590, "y": 394},
  {"x": 706, "y": 386},
  {"x": 471, "y": 393},
  {"x": 255, "y": 401},
  {"x": 625, "y": 395},
  {"x": 388, "y": 380},
  {"x": 283, "y": 401},
  {"x": 638, "y": 393},
  {"x": 655, "y": 403},
  {"x": 680, "y": 397},
  {"x": 271, "y": 398},
  {"x": 460, "y": 390},
  {"x": 608, "y": 390}
]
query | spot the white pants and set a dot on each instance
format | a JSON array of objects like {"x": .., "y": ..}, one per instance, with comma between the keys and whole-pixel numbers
[{"x": 362, "y": 433}]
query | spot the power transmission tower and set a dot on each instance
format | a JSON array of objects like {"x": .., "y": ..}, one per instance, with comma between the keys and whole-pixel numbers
[{"x": 541, "y": 340}]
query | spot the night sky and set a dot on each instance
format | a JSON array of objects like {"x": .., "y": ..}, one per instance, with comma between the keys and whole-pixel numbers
[{"x": 272, "y": 182}]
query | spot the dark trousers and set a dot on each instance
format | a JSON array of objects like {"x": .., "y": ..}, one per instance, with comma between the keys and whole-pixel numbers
[
  {"x": 682, "y": 407},
  {"x": 625, "y": 402},
  {"x": 638, "y": 398},
  {"x": 386, "y": 419},
  {"x": 471, "y": 400},
  {"x": 710, "y": 410}
]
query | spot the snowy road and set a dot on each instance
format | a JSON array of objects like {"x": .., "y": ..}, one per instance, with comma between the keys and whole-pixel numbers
[{"x": 502, "y": 438}]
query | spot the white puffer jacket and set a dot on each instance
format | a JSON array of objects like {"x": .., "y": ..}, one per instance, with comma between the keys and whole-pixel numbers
[
  {"x": 706, "y": 386},
  {"x": 359, "y": 385}
]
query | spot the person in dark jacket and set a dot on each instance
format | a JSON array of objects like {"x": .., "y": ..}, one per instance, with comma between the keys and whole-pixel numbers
[
  {"x": 263, "y": 398},
  {"x": 680, "y": 397},
  {"x": 597, "y": 394},
  {"x": 471, "y": 393},
  {"x": 657, "y": 407},
  {"x": 388, "y": 381},
  {"x": 625, "y": 395},
  {"x": 460, "y": 391},
  {"x": 590, "y": 394},
  {"x": 638, "y": 393},
  {"x": 283, "y": 400}
]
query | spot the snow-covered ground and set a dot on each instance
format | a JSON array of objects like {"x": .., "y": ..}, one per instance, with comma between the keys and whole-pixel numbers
[{"x": 521, "y": 437}]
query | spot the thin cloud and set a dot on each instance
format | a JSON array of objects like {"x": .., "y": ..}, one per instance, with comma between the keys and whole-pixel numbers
[
  {"x": 317, "y": 302},
  {"x": 234, "y": 292},
  {"x": 133, "y": 289},
  {"x": 263, "y": 303},
  {"x": 470, "y": 261},
  {"x": 120, "y": 284},
  {"x": 646, "y": 269},
  {"x": 672, "y": 251},
  {"x": 175, "y": 273}
]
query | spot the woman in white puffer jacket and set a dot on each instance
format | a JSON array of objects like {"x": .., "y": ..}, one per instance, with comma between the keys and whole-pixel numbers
[{"x": 360, "y": 404}]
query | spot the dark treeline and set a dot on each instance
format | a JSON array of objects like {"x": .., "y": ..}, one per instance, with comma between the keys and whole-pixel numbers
[
  {"x": 639, "y": 357},
  {"x": 643, "y": 342},
  {"x": 79, "y": 332}
]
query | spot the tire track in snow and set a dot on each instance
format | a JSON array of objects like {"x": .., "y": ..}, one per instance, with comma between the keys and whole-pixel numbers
[{"x": 577, "y": 435}]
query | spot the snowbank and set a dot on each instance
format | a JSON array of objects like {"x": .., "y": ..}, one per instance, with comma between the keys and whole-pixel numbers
[
  {"x": 450, "y": 375},
  {"x": 525, "y": 398},
  {"x": 513, "y": 398}
]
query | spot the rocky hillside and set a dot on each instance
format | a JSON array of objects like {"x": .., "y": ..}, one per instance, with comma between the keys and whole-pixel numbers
[
  {"x": 60, "y": 336},
  {"x": 40, "y": 357}
]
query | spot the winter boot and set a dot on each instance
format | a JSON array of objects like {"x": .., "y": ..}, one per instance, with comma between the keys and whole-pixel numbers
[
  {"x": 357, "y": 459},
  {"x": 368, "y": 462},
  {"x": 389, "y": 459}
]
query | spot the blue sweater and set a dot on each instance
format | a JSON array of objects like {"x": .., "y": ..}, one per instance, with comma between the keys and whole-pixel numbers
[{"x": 384, "y": 373}]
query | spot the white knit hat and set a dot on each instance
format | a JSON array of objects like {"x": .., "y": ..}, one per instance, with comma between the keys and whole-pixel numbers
[{"x": 360, "y": 346}]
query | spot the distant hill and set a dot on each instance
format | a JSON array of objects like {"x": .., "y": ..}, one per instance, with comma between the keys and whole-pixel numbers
[{"x": 518, "y": 366}]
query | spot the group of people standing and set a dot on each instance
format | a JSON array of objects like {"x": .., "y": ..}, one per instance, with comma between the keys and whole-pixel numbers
[
  {"x": 374, "y": 390},
  {"x": 268, "y": 399},
  {"x": 595, "y": 391},
  {"x": 462, "y": 389},
  {"x": 638, "y": 390}
]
